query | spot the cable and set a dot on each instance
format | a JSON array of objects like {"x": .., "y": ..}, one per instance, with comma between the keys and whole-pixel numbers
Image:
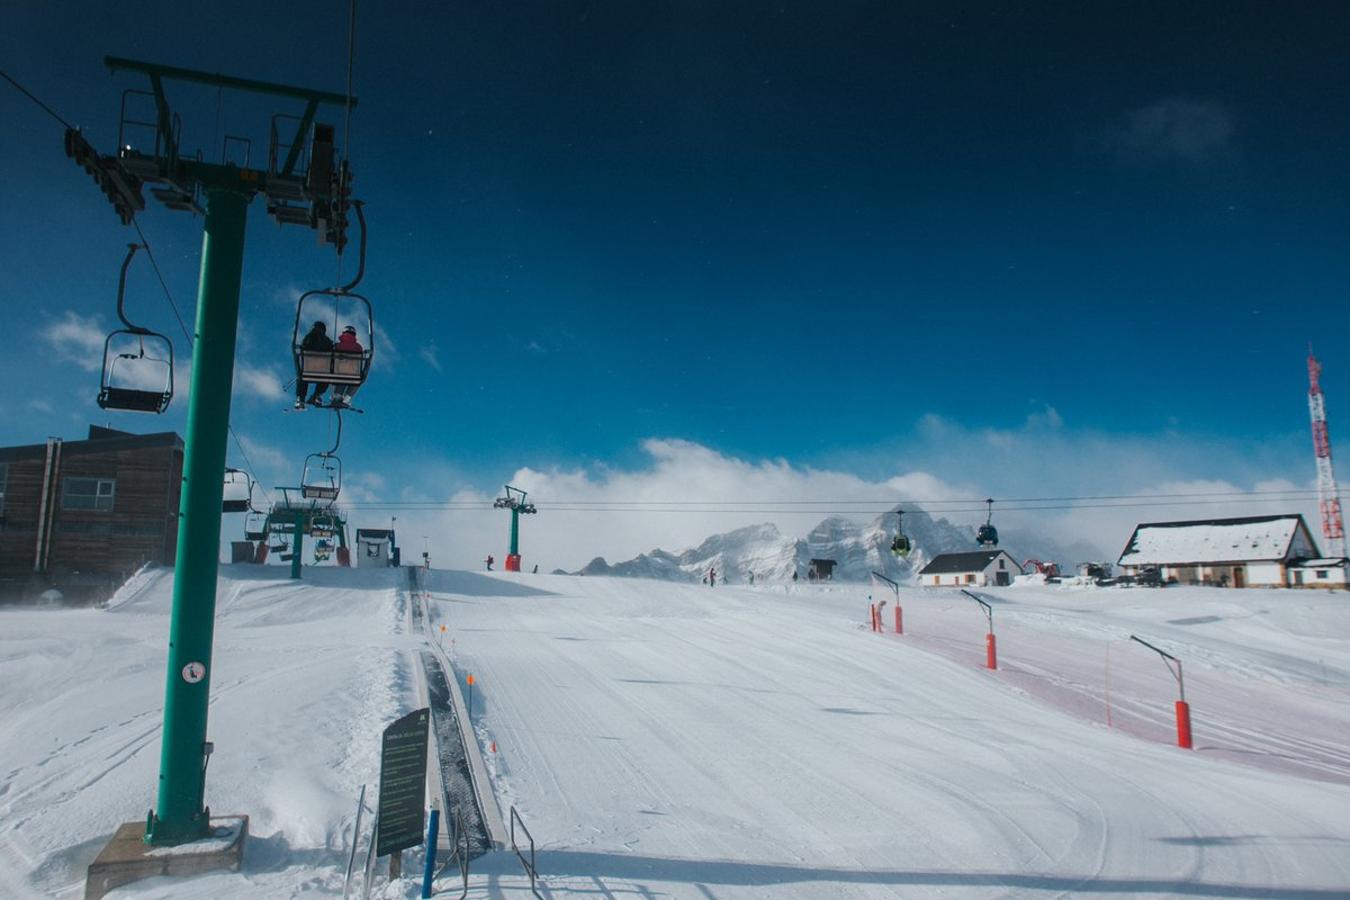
[
  {"x": 168, "y": 295},
  {"x": 162, "y": 283},
  {"x": 465, "y": 506},
  {"x": 343, "y": 176},
  {"x": 29, "y": 94},
  {"x": 173, "y": 305}
]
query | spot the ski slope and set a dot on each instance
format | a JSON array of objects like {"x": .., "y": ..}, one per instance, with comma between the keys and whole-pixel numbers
[
  {"x": 676, "y": 740},
  {"x": 684, "y": 741}
]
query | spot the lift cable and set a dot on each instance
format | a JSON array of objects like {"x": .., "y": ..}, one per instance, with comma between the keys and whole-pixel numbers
[
  {"x": 343, "y": 171},
  {"x": 29, "y": 94},
  {"x": 781, "y": 509},
  {"x": 248, "y": 465}
]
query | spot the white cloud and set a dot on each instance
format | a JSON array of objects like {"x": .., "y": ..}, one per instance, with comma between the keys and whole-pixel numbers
[
  {"x": 677, "y": 471},
  {"x": 258, "y": 383},
  {"x": 77, "y": 339},
  {"x": 1173, "y": 128},
  {"x": 944, "y": 466},
  {"x": 431, "y": 355},
  {"x": 267, "y": 459}
]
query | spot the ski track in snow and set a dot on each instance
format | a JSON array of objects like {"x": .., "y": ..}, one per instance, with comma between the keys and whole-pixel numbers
[
  {"x": 681, "y": 741},
  {"x": 798, "y": 751}
]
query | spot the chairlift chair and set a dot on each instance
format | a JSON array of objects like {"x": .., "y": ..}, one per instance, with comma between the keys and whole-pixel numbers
[
  {"x": 255, "y": 526},
  {"x": 322, "y": 477},
  {"x": 137, "y": 362},
  {"x": 987, "y": 535},
  {"x": 322, "y": 526},
  {"x": 323, "y": 550},
  {"x": 236, "y": 481},
  {"x": 344, "y": 371}
]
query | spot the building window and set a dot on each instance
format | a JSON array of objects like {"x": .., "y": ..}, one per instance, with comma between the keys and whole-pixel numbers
[
  {"x": 1002, "y": 564},
  {"x": 1322, "y": 573},
  {"x": 970, "y": 579},
  {"x": 88, "y": 493}
]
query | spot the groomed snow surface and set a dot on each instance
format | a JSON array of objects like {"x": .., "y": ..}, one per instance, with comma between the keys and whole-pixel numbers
[{"x": 678, "y": 740}]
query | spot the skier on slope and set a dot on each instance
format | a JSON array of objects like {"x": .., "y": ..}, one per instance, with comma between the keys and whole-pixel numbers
[{"x": 712, "y": 578}]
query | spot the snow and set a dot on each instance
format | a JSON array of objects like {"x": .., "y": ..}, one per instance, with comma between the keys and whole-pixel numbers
[
  {"x": 665, "y": 739},
  {"x": 1206, "y": 542}
]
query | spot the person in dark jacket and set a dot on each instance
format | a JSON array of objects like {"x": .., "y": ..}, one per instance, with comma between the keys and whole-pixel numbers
[{"x": 317, "y": 341}]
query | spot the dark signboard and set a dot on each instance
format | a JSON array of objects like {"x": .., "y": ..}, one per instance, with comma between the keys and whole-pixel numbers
[{"x": 403, "y": 783}]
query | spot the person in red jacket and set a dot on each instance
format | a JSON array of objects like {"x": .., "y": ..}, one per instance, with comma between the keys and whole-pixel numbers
[{"x": 346, "y": 343}]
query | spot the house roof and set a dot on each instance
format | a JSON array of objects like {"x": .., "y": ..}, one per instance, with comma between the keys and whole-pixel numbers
[
  {"x": 1329, "y": 563},
  {"x": 948, "y": 563},
  {"x": 101, "y": 440},
  {"x": 1244, "y": 539}
]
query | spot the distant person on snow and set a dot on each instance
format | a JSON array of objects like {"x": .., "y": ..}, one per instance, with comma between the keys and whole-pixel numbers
[
  {"x": 712, "y": 578},
  {"x": 347, "y": 343},
  {"x": 317, "y": 341},
  {"x": 794, "y": 576},
  {"x": 489, "y": 562},
  {"x": 751, "y": 575},
  {"x": 535, "y": 570}
]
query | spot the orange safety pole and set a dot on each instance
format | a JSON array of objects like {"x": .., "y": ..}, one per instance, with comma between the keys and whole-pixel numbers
[
  {"x": 1183, "y": 725},
  {"x": 899, "y": 622},
  {"x": 990, "y": 652}
]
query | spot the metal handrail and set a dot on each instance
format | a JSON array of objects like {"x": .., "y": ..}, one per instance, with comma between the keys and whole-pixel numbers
[
  {"x": 528, "y": 865},
  {"x": 460, "y": 854}
]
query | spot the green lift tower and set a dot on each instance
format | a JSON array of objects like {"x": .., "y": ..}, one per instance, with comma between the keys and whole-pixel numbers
[
  {"x": 514, "y": 501},
  {"x": 303, "y": 184}
]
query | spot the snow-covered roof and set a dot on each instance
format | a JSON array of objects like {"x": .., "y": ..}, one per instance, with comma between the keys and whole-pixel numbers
[
  {"x": 1320, "y": 563},
  {"x": 1247, "y": 539},
  {"x": 950, "y": 563}
]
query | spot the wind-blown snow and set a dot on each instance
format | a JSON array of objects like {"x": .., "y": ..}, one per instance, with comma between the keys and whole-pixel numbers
[{"x": 678, "y": 740}]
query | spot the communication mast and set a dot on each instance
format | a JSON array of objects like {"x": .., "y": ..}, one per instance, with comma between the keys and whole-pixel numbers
[{"x": 1328, "y": 498}]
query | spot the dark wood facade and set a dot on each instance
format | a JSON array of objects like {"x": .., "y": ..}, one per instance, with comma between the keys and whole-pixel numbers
[{"x": 67, "y": 547}]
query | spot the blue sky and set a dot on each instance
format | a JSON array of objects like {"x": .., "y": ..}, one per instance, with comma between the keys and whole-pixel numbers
[{"x": 1024, "y": 251}]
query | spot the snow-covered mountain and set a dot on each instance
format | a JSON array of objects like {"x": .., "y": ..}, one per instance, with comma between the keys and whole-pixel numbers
[{"x": 858, "y": 550}]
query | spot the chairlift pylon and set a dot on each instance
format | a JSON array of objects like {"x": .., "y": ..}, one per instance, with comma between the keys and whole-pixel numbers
[
  {"x": 137, "y": 362},
  {"x": 343, "y": 370},
  {"x": 987, "y": 535}
]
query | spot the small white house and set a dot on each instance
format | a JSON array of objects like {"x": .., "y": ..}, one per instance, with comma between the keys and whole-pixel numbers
[
  {"x": 1315, "y": 573},
  {"x": 978, "y": 568},
  {"x": 374, "y": 547},
  {"x": 1251, "y": 551}
]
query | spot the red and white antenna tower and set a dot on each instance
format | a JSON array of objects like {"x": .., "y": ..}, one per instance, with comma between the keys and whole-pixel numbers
[{"x": 1333, "y": 530}]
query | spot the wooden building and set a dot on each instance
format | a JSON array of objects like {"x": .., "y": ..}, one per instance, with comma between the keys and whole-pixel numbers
[
  {"x": 81, "y": 516},
  {"x": 980, "y": 568},
  {"x": 820, "y": 570}
]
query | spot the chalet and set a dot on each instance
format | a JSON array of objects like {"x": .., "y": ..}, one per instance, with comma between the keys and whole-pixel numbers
[
  {"x": 978, "y": 567},
  {"x": 81, "y": 516},
  {"x": 820, "y": 570},
  {"x": 1251, "y": 551}
]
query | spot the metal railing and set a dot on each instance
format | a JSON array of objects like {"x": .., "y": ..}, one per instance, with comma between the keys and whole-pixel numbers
[
  {"x": 460, "y": 855},
  {"x": 527, "y": 864}
]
